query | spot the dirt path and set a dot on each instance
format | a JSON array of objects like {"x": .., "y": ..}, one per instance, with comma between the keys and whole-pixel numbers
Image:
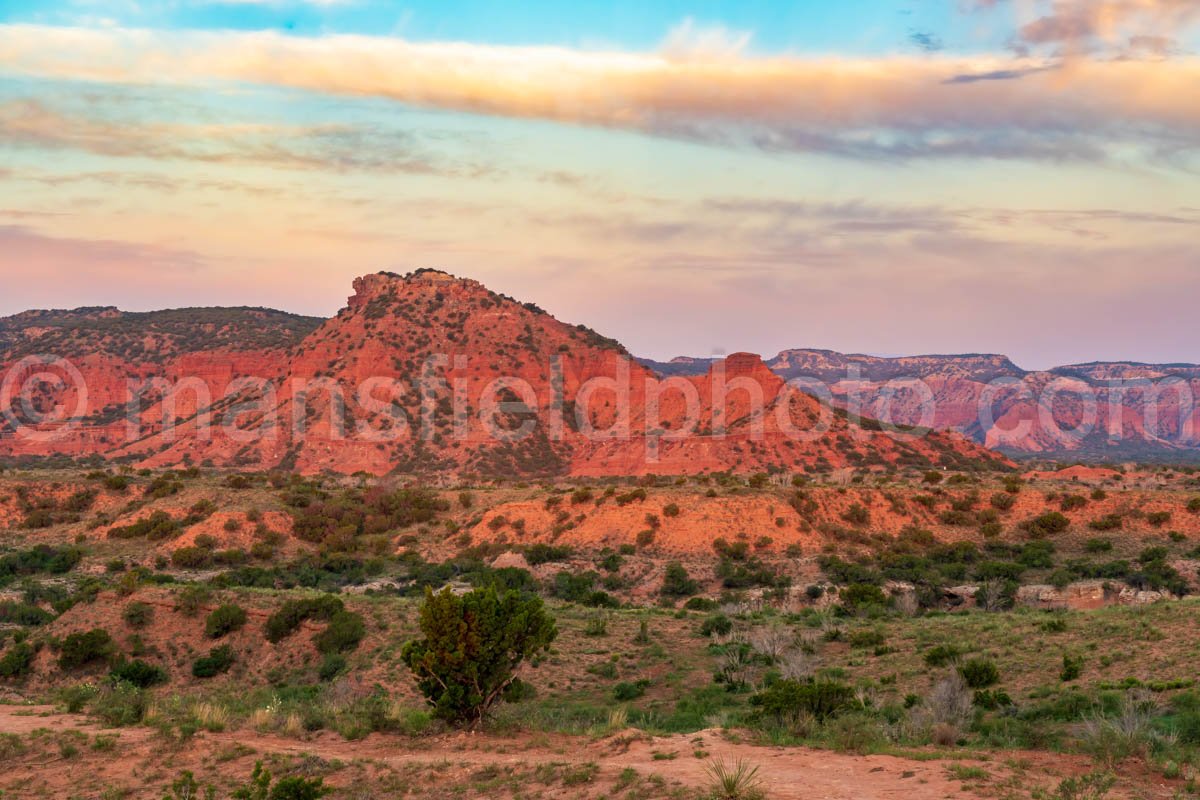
[{"x": 787, "y": 773}]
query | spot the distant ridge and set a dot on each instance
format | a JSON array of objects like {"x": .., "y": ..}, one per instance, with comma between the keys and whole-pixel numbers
[{"x": 959, "y": 386}]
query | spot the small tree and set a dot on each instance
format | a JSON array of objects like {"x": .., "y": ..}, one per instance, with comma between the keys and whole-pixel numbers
[{"x": 472, "y": 648}]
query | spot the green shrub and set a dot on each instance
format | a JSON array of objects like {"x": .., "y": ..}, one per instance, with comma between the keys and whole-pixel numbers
[
  {"x": 718, "y": 624},
  {"x": 1047, "y": 524},
  {"x": 1060, "y": 578},
  {"x": 1002, "y": 501},
  {"x": 39, "y": 558},
  {"x": 1072, "y": 667},
  {"x": 191, "y": 557},
  {"x": 224, "y": 619},
  {"x": 999, "y": 570},
  {"x": 1186, "y": 726},
  {"x": 120, "y": 703},
  {"x": 992, "y": 699},
  {"x": 611, "y": 561},
  {"x": 86, "y": 647},
  {"x": 1072, "y": 502},
  {"x": 138, "y": 614},
  {"x": 867, "y": 638},
  {"x": 191, "y": 599},
  {"x": 38, "y": 518},
  {"x": 624, "y": 692},
  {"x": 116, "y": 483},
  {"x": 677, "y": 582},
  {"x": 1158, "y": 518},
  {"x": 17, "y": 660},
  {"x": 156, "y": 527},
  {"x": 1037, "y": 555},
  {"x": 857, "y": 514},
  {"x": 218, "y": 660},
  {"x": 162, "y": 487},
  {"x": 293, "y": 613},
  {"x": 633, "y": 495},
  {"x": 332, "y": 665},
  {"x": 260, "y": 787},
  {"x": 472, "y": 647},
  {"x": 16, "y": 613},
  {"x": 1150, "y": 554},
  {"x": 979, "y": 673},
  {"x": 1109, "y": 522},
  {"x": 1092, "y": 786},
  {"x": 596, "y": 626},
  {"x": 941, "y": 655},
  {"x": 139, "y": 673},
  {"x": 344, "y": 631},
  {"x": 337, "y": 523},
  {"x": 574, "y": 587},
  {"x": 787, "y": 699},
  {"x": 541, "y": 553},
  {"x": 956, "y": 517},
  {"x": 861, "y": 596}
]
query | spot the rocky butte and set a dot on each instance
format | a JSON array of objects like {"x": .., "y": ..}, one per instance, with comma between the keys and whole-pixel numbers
[{"x": 421, "y": 373}]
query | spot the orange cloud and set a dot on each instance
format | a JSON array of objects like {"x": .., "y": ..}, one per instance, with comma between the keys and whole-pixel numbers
[
  {"x": 885, "y": 107},
  {"x": 1080, "y": 26}
]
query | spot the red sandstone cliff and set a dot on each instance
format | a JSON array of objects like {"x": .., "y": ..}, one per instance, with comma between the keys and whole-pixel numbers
[{"x": 427, "y": 372}]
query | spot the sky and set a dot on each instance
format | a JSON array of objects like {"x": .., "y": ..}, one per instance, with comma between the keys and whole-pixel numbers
[{"x": 930, "y": 176}]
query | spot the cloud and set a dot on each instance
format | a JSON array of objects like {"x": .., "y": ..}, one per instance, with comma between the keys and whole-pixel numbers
[
  {"x": 929, "y": 42},
  {"x": 999, "y": 74},
  {"x": 330, "y": 147},
  {"x": 687, "y": 40},
  {"x": 1079, "y": 27},
  {"x": 892, "y": 107}
]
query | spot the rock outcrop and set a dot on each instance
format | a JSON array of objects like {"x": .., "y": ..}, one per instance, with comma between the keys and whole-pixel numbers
[{"x": 430, "y": 373}]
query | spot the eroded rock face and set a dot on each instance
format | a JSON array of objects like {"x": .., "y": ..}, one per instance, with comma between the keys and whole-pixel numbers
[
  {"x": 1114, "y": 410},
  {"x": 1087, "y": 408},
  {"x": 430, "y": 373}
]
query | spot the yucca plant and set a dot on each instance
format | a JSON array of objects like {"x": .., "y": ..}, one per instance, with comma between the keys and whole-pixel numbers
[{"x": 736, "y": 781}]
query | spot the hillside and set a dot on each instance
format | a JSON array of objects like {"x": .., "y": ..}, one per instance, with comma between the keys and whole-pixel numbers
[
  {"x": 148, "y": 337},
  {"x": 155, "y": 622},
  {"x": 430, "y": 373}
]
